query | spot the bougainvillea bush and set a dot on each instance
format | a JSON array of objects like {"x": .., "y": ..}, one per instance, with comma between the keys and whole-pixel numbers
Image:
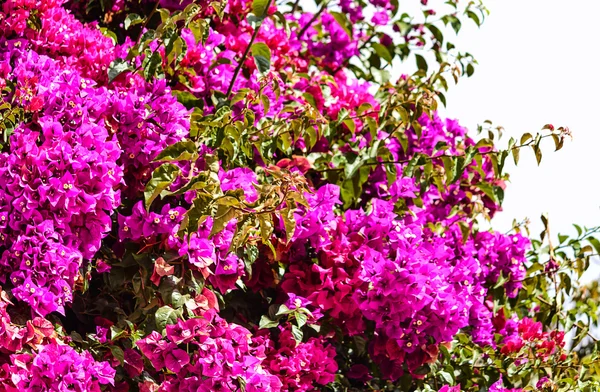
[{"x": 239, "y": 196}]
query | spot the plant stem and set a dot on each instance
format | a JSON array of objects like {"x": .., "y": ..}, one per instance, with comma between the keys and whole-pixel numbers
[
  {"x": 243, "y": 59},
  {"x": 150, "y": 15},
  {"x": 315, "y": 16},
  {"x": 295, "y": 6},
  {"x": 429, "y": 158}
]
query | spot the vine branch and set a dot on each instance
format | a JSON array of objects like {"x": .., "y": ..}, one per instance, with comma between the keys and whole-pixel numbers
[{"x": 245, "y": 55}]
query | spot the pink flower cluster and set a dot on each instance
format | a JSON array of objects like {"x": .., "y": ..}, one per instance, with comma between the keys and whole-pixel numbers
[
  {"x": 60, "y": 36},
  {"x": 59, "y": 181},
  {"x": 526, "y": 336},
  {"x": 56, "y": 367},
  {"x": 210, "y": 256},
  {"x": 72, "y": 179},
  {"x": 389, "y": 270},
  {"x": 146, "y": 118},
  {"x": 502, "y": 255},
  {"x": 49, "y": 365},
  {"x": 419, "y": 287},
  {"x": 221, "y": 356},
  {"x": 300, "y": 366}
]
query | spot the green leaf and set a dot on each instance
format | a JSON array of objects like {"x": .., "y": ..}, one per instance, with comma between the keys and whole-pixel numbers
[
  {"x": 131, "y": 20},
  {"x": 110, "y": 34},
  {"x": 297, "y": 333},
  {"x": 287, "y": 214},
  {"x": 301, "y": 319},
  {"x": 404, "y": 117},
  {"x": 266, "y": 322},
  {"x": 152, "y": 64},
  {"x": 266, "y": 103},
  {"x": 488, "y": 190},
  {"x": 222, "y": 217},
  {"x": 283, "y": 310},
  {"x": 474, "y": 17},
  {"x": 266, "y": 228},
  {"x": 242, "y": 383},
  {"x": 470, "y": 70},
  {"x": 342, "y": 21},
  {"x": 449, "y": 168},
  {"x": 181, "y": 151},
  {"x": 188, "y": 99},
  {"x": 262, "y": 56},
  {"x": 456, "y": 24},
  {"x": 447, "y": 377},
  {"x": 515, "y": 154},
  {"x": 558, "y": 141},
  {"x": 116, "y": 68},
  {"x": 169, "y": 292},
  {"x": 501, "y": 281},
  {"x": 538, "y": 154},
  {"x": 166, "y": 315},
  {"x": 442, "y": 98},
  {"x": 259, "y": 8},
  {"x": 595, "y": 243},
  {"x": 465, "y": 230},
  {"x": 361, "y": 345},
  {"x": 349, "y": 122},
  {"x": 421, "y": 63},
  {"x": 162, "y": 177},
  {"x": 382, "y": 51},
  {"x": 311, "y": 100},
  {"x": 354, "y": 163},
  {"x": 117, "y": 352},
  {"x": 436, "y": 33},
  {"x": 526, "y": 137}
]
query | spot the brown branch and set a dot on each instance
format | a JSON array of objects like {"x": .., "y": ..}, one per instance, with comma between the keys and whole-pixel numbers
[
  {"x": 429, "y": 158},
  {"x": 295, "y": 6},
  {"x": 243, "y": 59},
  {"x": 577, "y": 324},
  {"x": 313, "y": 19}
]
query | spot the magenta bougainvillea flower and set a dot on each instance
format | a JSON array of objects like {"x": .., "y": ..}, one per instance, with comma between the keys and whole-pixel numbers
[{"x": 210, "y": 196}]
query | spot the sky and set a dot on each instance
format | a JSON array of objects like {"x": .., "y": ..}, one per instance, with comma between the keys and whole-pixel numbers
[{"x": 538, "y": 64}]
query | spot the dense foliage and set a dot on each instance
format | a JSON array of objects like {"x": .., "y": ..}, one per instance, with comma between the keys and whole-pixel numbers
[{"x": 237, "y": 196}]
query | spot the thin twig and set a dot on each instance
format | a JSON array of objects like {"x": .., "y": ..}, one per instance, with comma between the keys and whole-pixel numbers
[
  {"x": 315, "y": 16},
  {"x": 295, "y": 6},
  {"x": 150, "y": 15},
  {"x": 243, "y": 59},
  {"x": 577, "y": 324},
  {"x": 429, "y": 158}
]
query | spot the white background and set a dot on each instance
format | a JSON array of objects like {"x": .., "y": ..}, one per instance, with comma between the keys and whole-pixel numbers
[{"x": 538, "y": 64}]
